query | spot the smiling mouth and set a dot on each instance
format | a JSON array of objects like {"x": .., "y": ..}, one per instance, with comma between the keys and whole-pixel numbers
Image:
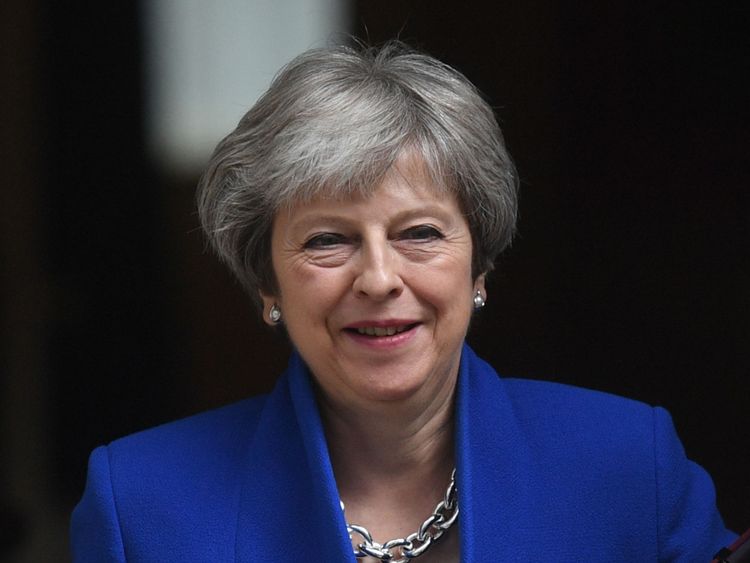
[{"x": 383, "y": 331}]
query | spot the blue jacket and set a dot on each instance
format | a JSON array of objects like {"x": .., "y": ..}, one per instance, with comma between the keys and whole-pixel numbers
[{"x": 545, "y": 472}]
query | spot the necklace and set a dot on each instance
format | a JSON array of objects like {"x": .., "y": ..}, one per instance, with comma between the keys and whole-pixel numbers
[{"x": 403, "y": 550}]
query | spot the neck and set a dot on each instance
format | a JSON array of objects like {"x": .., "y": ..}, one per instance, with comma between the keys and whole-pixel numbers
[
  {"x": 389, "y": 451},
  {"x": 389, "y": 439}
]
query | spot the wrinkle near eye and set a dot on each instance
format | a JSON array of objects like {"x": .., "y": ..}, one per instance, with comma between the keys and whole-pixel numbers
[
  {"x": 329, "y": 257},
  {"x": 427, "y": 251}
]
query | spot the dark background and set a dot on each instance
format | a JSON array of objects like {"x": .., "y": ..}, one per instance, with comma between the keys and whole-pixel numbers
[{"x": 630, "y": 273}]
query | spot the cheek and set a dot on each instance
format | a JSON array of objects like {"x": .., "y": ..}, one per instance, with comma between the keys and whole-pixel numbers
[
  {"x": 310, "y": 291},
  {"x": 448, "y": 290}
]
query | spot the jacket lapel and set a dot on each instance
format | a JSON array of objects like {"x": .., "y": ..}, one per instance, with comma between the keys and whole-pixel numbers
[
  {"x": 289, "y": 505},
  {"x": 492, "y": 461}
]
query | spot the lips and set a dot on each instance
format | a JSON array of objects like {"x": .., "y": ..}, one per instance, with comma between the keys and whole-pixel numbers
[
  {"x": 379, "y": 329},
  {"x": 382, "y": 331}
]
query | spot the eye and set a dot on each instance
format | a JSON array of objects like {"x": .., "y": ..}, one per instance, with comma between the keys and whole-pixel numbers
[
  {"x": 324, "y": 240},
  {"x": 421, "y": 232}
]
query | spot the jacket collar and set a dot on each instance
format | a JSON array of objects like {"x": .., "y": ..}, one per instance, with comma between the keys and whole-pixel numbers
[
  {"x": 289, "y": 505},
  {"x": 491, "y": 466}
]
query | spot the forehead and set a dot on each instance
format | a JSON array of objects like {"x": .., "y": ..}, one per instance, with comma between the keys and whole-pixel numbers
[{"x": 405, "y": 190}]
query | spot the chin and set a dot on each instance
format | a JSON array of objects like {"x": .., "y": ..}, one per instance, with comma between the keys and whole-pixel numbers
[{"x": 391, "y": 389}]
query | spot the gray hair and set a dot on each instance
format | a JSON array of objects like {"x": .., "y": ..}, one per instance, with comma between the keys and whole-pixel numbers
[{"x": 333, "y": 122}]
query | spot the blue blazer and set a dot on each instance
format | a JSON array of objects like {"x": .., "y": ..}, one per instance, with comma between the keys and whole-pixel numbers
[{"x": 545, "y": 472}]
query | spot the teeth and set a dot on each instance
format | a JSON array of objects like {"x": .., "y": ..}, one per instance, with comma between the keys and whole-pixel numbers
[{"x": 381, "y": 331}]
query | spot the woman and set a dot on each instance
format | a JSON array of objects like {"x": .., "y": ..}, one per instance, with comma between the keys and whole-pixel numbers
[{"x": 363, "y": 200}]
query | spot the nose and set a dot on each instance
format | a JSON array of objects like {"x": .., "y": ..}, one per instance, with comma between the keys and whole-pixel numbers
[{"x": 378, "y": 276}]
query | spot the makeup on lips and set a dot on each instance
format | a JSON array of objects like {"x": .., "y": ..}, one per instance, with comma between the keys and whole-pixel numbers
[{"x": 390, "y": 332}]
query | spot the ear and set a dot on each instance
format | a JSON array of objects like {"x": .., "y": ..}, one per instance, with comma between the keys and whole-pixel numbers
[
  {"x": 268, "y": 301},
  {"x": 479, "y": 285}
]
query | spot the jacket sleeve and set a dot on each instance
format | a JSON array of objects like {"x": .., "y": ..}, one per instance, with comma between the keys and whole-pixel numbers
[
  {"x": 690, "y": 528},
  {"x": 95, "y": 528}
]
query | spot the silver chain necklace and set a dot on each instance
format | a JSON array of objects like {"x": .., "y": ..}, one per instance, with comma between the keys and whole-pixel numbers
[{"x": 403, "y": 550}]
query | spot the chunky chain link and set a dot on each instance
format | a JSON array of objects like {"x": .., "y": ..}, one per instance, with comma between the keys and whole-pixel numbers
[{"x": 403, "y": 550}]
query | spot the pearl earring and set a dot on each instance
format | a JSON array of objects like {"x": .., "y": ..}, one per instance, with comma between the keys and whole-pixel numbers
[
  {"x": 479, "y": 301},
  {"x": 275, "y": 313}
]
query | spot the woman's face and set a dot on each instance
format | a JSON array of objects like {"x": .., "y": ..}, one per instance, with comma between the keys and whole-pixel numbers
[{"x": 376, "y": 291}]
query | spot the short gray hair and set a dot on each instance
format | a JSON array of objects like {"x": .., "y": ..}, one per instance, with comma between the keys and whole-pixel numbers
[{"x": 333, "y": 122}]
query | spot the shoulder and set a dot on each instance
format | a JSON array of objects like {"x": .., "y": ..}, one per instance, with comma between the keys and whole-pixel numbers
[
  {"x": 556, "y": 400},
  {"x": 560, "y": 423},
  {"x": 186, "y": 451},
  {"x": 147, "y": 493},
  {"x": 535, "y": 402},
  {"x": 603, "y": 438},
  {"x": 582, "y": 422},
  {"x": 204, "y": 424},
  {"x": 587, "y": 460},
  {"x": 209, "y": 437}
]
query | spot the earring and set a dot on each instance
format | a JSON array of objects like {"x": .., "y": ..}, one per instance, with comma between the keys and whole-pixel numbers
[
  {"x": 479, "y": 301},
  {"x": 275, "y": 313}
]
